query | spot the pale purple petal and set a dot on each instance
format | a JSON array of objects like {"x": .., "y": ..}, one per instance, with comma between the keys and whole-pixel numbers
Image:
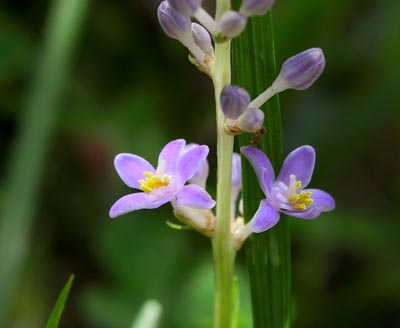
[
  {"x": 194, "y": 196},
  {"x": 265, "y": 218},
  {"x": 236, "y": 172},
  {"x": 323, "y": 202},
  {"x": 262, "y": 166},
  {"x": 191, "y": 162},
  {"x": 137, "y": 201},
  {"x": 200, "y": 178},
  {"x": 169, "y": 156},
  {"x": 299, "y": 162},
  {"x": 236, "y": 181},
  {"x": 131, "y": 168}
]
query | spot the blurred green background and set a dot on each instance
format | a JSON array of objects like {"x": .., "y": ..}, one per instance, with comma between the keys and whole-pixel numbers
[{"x": 131, "y": 89}]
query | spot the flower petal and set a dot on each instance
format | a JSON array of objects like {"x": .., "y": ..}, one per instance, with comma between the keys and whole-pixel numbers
[
  {"x": 190, "y": 162},
  {"x": 236, "y": 172},
  {"x": 169, "y": 156},
  {"x": 194, "y": 196},
  {"x": 299, "y": 162},
  {"x": 265, "y": 218},
  {"x": 137, "y": 201},
  {"x": 131, "y": 168},
  {"x": 236, "y": 182},
  {"x": 200, "y": 178},
  {"x": 262, "y": 166},
  {"x": 323, "y": 202}
]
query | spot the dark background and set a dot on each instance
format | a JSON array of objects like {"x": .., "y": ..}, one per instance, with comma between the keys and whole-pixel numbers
[{"x": 131, "y": 89}]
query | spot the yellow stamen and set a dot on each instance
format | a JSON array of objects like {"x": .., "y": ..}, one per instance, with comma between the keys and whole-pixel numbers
[
  {"x": 153, "y": 181},
  {"x": 301, "y": 200},
  {"x": 294, "y": 198}
]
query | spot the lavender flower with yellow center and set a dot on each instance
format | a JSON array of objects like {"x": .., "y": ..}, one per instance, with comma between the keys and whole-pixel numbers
[
  {"x": 165, "y": 184},
  {"x": 286, "y": 194}
]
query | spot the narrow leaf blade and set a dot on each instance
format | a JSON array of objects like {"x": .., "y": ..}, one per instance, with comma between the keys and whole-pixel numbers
[
  {"x": 58, "y": 308},
  {"x": 268, "y": 253}
]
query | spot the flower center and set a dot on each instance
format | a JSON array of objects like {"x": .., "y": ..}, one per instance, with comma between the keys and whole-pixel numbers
[
  {"x": 153, "y": 181},
  {"x": 298, "y": 200}
]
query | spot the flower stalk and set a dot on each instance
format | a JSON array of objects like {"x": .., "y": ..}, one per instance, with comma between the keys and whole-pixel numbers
[{"x": 223, "y": 246}]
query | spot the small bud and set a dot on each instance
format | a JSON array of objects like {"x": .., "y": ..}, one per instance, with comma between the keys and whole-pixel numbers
[
  {"x": 252, "y": 120},
  {"x": 185, "y": 7},
  {"x": 234, "y": 101},
  {"x": 172, "y": 22},
  {"x": 255, "y": 7},
  {"x": 232, "y": 23},
  {"x": 202, "y": 38},
  {"x": 300, "y": 71}
]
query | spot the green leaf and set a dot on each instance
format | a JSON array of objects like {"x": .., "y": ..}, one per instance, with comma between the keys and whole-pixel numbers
[
  {"x": 268, "y": 254},
  {"x": 60, "y": 304}
]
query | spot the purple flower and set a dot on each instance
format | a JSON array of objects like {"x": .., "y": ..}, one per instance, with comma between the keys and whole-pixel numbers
[
  {"x": 176, "y": 165},
  {"x": 174, "y": 24},
  {"x": 200, "y": 178},
  {"x": 234, "y": 100},
  {"x": 251, "y": 120},
  {"x": 185, "y": 7},
  {"x": 256, "y": 7},
  {"x": 286, "y": 194},
  {"x": 202, "y": 38},
  {"x": 236, "y": 182},
  {"x": 302, "y": 70},
  {"x": 232, "y": 23}
]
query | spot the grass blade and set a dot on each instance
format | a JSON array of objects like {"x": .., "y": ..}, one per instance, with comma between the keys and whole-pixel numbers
[
  {"x": 268, "y": 254},
  {"x": 58, "y": 308},
  {"x": 38, "y": 117}
]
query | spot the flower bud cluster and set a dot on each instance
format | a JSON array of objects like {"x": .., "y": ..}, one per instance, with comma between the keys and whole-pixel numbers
[
  {"x": 239, "y": 116},
  {"x": 298, "y": 72},
  {"x": 175, "y": 19}
]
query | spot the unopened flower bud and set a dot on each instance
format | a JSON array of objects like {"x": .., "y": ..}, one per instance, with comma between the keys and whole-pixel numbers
[
  {"x": 251, "y": 121},
  {"x": 232, "y": 23},
  {"x": 174, "y": 24},
  {"x": 185, "y": 7},
  {"x": 202, "y": 38},
  {"x": 255, "y": 7},
  {"x": 300, "y": 71},
  {"x": 234, "y": 101}
]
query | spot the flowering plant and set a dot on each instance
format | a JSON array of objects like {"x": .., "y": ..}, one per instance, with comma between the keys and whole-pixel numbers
[{"x": 208, "y": 43}]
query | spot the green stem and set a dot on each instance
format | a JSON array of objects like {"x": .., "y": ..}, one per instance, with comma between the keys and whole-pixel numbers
[
  {"x": 222, "y": 242},
  {"x": 29, "y": 153}
]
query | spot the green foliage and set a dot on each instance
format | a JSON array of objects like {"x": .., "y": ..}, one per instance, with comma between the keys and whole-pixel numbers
[
  {"x": 27, "y": 161},
  {"x": 58, "y": 308},
  {"x": 132, "y": 90}
]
